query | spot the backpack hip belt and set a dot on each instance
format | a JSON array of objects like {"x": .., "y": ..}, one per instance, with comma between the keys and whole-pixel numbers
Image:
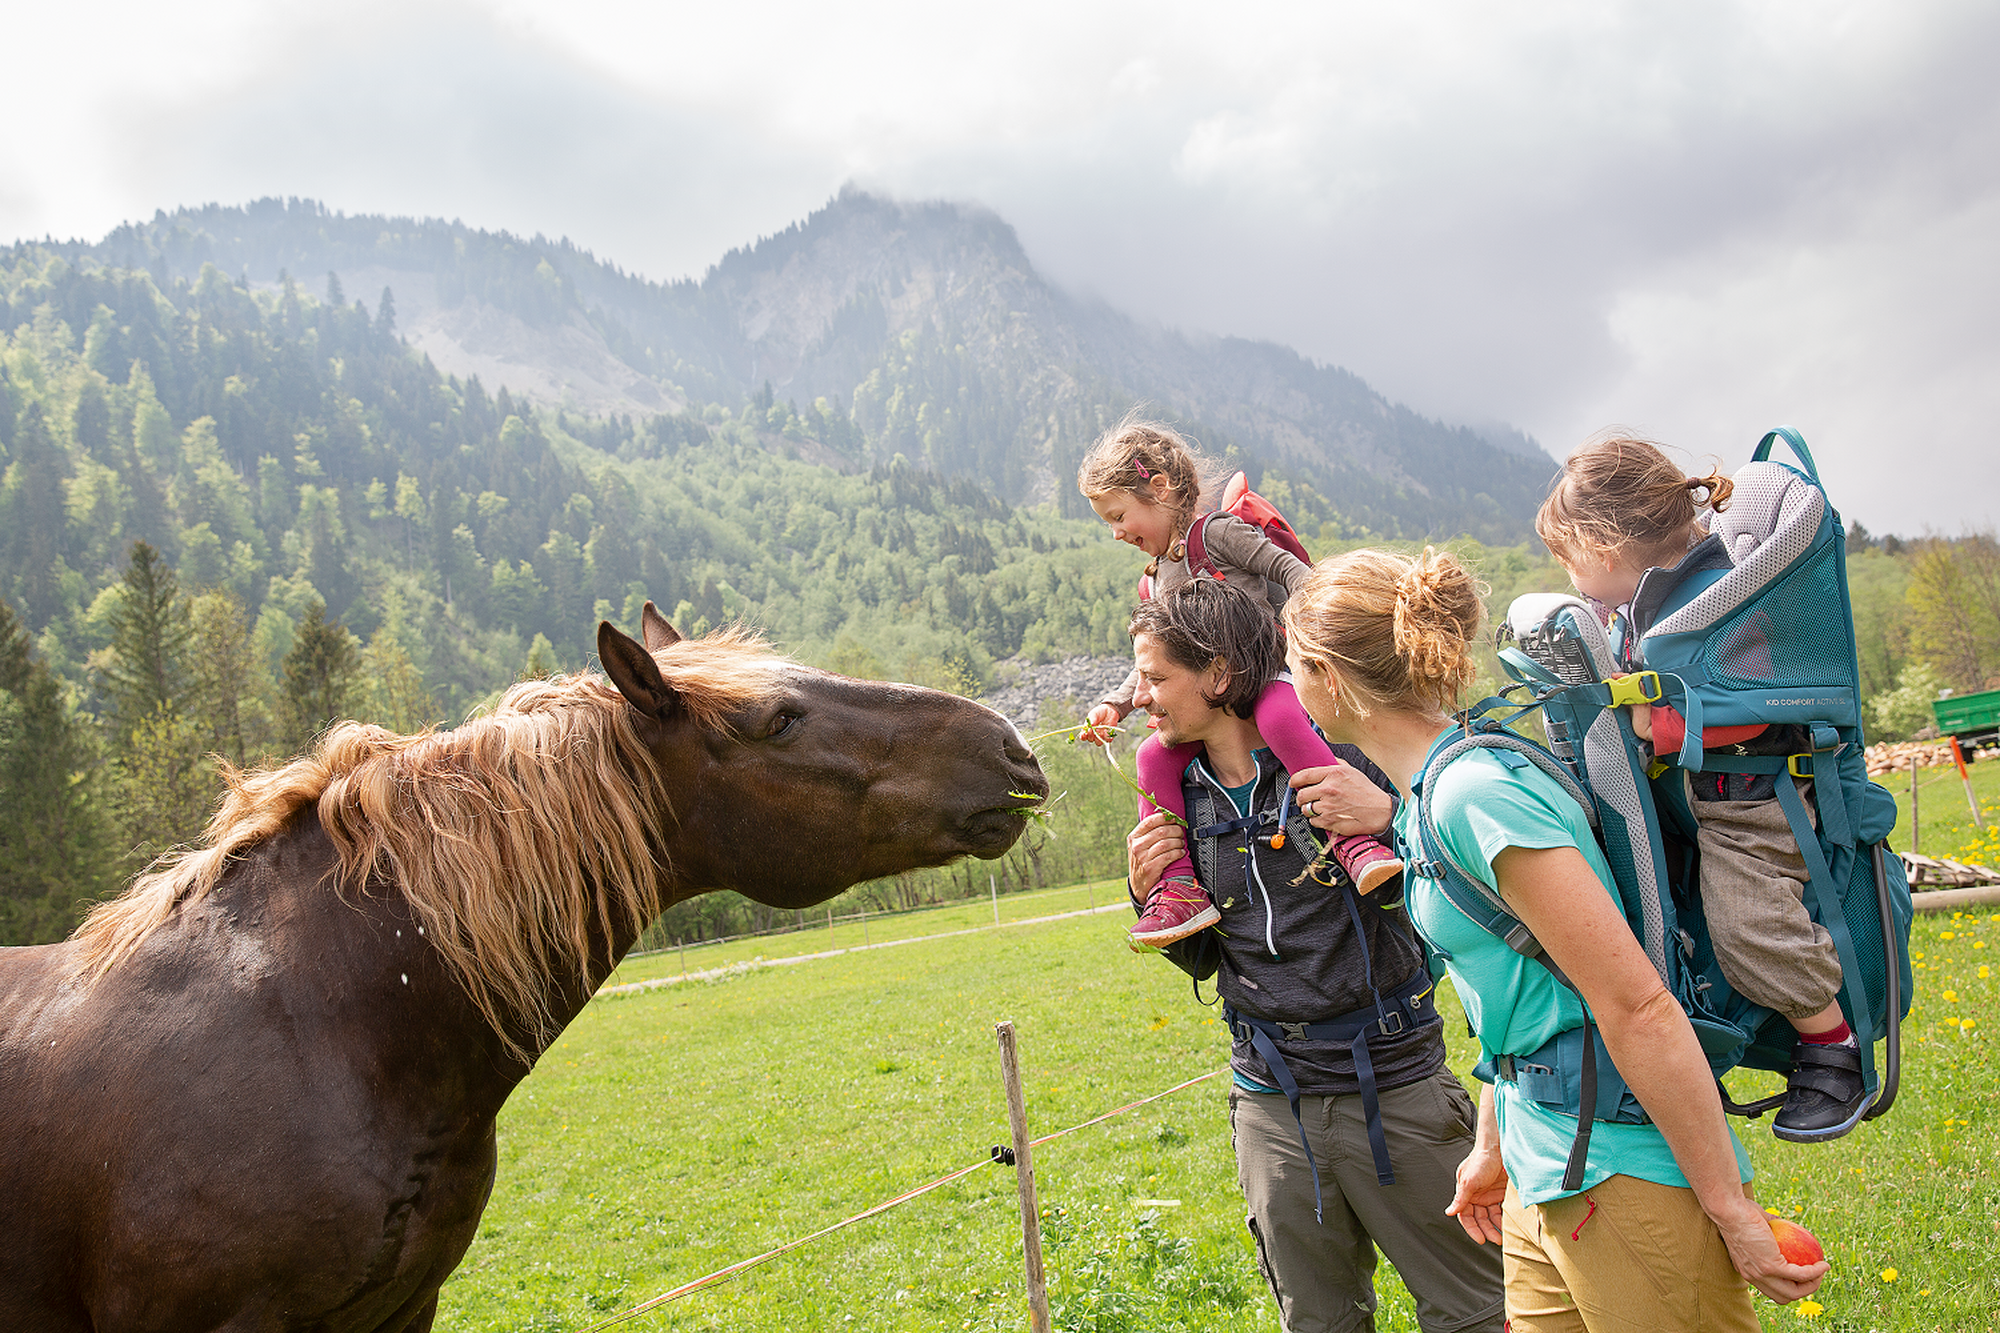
[{"x": 1409, "y": 1006}]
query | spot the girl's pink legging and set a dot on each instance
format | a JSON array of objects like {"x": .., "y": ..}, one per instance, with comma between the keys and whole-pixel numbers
[{"x": 1281, "y": 720}]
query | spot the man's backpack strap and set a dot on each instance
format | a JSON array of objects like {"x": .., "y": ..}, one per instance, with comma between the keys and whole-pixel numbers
[{"x": 1410, "y": 1005}]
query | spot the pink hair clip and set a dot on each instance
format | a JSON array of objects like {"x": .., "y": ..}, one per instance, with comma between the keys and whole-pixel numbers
[{"x": 1140, "y": 468}]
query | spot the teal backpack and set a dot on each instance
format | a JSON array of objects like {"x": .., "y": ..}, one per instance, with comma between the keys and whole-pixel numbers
[{"x": 1771, "y": 640}]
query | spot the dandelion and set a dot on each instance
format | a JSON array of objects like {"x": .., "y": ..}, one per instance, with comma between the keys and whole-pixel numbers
[
  {"x": 1810, "y": 1309},
  {"x": 1888, "y": 1275},
  {"x": 1917, "y": 954},
  {"x": 1947, "y": 935},
  {"x": 1966, "y": 1025},
  {"x": 1983, "y": 973},
  {"x": 1951, "y": 997}
]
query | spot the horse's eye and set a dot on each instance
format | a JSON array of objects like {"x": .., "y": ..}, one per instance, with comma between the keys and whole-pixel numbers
[{"x": 780, "y": 724}]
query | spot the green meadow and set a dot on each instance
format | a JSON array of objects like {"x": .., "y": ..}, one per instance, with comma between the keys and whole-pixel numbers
[{"x": 677, "y": 1130}]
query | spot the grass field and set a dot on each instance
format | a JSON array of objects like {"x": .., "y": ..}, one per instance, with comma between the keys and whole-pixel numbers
[{"x": 674, "y": 1131}]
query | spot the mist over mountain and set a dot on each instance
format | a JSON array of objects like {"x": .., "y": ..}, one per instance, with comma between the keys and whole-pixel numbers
[{"x": 918, "y": 329}]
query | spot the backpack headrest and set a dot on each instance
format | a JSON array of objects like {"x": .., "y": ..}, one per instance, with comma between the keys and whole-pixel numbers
[{"x": 1773, "y": 516}]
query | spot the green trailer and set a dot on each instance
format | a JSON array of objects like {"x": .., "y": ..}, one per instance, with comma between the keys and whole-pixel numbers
[{"x": 1973, "y": 718}]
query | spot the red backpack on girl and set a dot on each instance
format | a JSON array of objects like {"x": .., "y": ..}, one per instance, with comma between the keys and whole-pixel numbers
[{"x": 1252, "y": 508}]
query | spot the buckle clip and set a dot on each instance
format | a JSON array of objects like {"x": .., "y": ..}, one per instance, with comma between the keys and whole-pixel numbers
[
  {"x": 1383, "y": 1026},
  {"x": 1636, "y": 688},
  {"x": 1792, "y": 766},
  {"x": 1293, "y": 1031}
]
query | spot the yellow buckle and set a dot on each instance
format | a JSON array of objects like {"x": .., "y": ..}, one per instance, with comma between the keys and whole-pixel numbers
[
  {"x": 1792, "y": 764},
  {"x": 1657, "y": 767},
  {"x": 1633, "y": 689}
]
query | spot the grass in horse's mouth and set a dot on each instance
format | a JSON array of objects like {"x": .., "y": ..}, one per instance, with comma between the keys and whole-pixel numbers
[{"x": 1036, "y": 807}]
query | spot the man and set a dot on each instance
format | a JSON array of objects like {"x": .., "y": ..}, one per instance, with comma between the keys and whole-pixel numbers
[{"x": 1348, "y": 1127}]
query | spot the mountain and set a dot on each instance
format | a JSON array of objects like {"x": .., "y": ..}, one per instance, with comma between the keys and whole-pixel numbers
[{"x": 885, "y": 328}]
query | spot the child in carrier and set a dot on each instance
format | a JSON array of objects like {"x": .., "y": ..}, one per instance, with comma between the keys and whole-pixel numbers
[
  {"x": 1624, "y": 523},
  {"x": 1144, "y": 480}
]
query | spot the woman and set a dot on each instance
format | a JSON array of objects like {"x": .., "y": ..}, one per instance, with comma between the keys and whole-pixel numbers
[{"x": 1381, "y": 647}]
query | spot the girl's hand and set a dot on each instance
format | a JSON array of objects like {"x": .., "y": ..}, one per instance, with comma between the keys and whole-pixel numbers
[
  {"x": 1746, "y": 1230},
  {"x": 1642, "y": 721},
  {"x": 1098, "y": 724}
]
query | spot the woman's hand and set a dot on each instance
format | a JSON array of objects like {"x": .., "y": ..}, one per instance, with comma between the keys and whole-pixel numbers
[
  {"x": 1341, "y": 800},
  {"x": 1746, "y": 1230},
  {"x": 1482, "y": 1178},
  {"x": 1097, "y": 726},
  {"x": 1153, "y": 845}
]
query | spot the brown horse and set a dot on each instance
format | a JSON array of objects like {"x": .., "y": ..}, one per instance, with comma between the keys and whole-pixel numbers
[{"x": 258, "y": 1091}]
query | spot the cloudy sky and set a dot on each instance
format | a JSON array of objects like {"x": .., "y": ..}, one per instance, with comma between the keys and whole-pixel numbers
[{"x": 1697, "y": 219}]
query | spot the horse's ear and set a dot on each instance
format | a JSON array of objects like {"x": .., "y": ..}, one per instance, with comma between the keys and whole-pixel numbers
[
  {"x": 658, "y": 630},
  {"x": 635, "y": 673}
]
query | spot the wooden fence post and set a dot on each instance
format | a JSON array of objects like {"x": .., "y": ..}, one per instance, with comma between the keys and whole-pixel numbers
[{"x": 1024, "y": 1177}]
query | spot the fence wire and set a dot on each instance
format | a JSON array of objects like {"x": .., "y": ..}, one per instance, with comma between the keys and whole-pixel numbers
[{"x": 722, "y": 1275}]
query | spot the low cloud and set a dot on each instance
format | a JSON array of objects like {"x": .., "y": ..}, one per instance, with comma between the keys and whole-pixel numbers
[{"x": 1701, "y": 220}]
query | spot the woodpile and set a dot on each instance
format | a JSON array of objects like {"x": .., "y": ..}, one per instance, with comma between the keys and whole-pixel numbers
[
  {"x": 1900, "y": 756},
  {"x": 1935, "y": 873}
]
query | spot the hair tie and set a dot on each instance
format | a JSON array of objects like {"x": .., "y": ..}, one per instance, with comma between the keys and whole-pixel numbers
[{"x": 1140, "y": 468}]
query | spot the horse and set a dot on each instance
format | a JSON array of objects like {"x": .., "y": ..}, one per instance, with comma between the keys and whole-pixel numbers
[{"x": 258, "y": 1090}]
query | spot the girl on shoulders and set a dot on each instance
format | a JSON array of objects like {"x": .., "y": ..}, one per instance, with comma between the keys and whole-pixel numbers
[{"x": 1145, "y": 482}]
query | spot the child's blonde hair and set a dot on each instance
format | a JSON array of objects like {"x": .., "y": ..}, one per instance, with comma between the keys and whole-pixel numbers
[
  {"x": 1394, "y": 632},
  {"x": 1131, "y": 453},
  {"x": 1619, "y": 493}
]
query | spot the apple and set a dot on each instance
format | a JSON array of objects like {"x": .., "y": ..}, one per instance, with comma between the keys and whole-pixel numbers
[{"x": 1795, "y": 1243}]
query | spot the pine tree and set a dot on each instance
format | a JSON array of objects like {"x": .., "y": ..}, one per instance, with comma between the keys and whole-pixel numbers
[
  {"x": 145, "y": 673},
  {"x": 224, "y": 676},
  {"x": 55, "y": 844},
  {"x": 541, "y": 663},
  {"x": 320, "y": 674}
]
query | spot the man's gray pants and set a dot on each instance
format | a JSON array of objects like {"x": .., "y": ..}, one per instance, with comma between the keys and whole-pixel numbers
[{"x": 1323, "y": 1276}]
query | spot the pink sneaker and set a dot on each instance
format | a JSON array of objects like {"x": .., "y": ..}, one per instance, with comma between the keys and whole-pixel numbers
[
  {"x": 1175, "y": 909},
  {"x": 1367, "y": 862}
]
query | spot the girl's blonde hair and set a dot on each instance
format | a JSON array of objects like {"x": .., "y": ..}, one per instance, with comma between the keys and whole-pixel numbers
[
  {"x": 1620, "y": 493},
  {"x": 1129, "y": 455},
  {"x": 1396, "y": 633}
]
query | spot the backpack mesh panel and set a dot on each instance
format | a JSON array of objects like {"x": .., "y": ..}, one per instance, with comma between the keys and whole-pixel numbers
[{"x": 1782, "y": 639}]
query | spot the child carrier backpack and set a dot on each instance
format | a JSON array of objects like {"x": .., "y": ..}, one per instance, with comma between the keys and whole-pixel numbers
[
  {"x": 1252, "y": 508},
  {"x": 1769, "y": 641}
]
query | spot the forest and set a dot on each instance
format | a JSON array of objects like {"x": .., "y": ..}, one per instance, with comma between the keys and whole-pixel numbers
[{"x": 229, "y": 516}]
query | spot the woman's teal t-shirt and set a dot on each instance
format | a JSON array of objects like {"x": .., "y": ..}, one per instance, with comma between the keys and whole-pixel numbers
[{"x": 1480, "y": 808}]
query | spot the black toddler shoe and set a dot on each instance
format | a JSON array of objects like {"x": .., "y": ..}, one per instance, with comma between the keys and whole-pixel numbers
[{"x": 1824, "y": 1097}]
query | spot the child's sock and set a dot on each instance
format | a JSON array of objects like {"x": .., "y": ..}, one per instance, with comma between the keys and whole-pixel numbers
[
  {"x": 1840, "y": 1036},
  {"x": 1160, "y": 768}
]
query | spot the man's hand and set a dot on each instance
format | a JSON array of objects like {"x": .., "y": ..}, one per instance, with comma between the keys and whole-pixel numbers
[
  {"x": 1156, "y": 843},
  {"x": 1341, "y": 800},
  {"x": 1097, "y": 726}
]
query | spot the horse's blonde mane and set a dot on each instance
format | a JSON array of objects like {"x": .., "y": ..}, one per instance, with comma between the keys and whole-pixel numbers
[{"x": 508, "y": 835}]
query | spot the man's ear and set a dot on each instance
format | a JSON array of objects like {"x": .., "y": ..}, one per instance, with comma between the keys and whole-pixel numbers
[
  {"x": 659, "y": 632},
  {"x": 635, "y": 673},
  {"x": 1218, "y": 678}
]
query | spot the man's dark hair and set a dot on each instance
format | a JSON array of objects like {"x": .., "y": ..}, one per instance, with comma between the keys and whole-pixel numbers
[{"x": 1206, "y": 620}]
